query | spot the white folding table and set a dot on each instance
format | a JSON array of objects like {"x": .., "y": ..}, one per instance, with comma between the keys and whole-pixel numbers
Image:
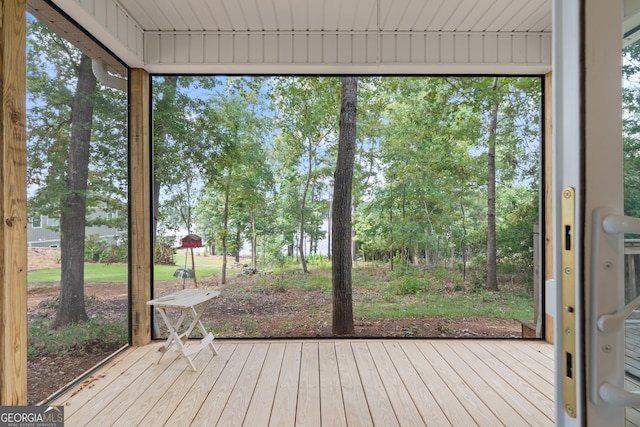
[{"x": 186, "y": 301}]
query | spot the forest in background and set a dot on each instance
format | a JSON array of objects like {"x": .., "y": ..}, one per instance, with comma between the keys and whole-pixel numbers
[
  {"x": 446, "y": 168},
  {"x": 249, "y": 161}
]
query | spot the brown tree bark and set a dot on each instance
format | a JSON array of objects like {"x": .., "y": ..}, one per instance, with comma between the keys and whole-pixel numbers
[
  {"x": 492, "y": 274},
  {"x": 71, "y": 308},
  {"x": 341, "y": 216}
]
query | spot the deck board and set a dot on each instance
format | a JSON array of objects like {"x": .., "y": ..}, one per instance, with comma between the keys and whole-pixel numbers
[{"x": 323, "y": 383}]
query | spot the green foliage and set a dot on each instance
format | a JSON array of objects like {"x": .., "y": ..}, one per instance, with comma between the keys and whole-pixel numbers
[
  {"x": 115, "y": 254},
  {"x": 44, "y": 340},
  {"x": 93, "y": 247}
]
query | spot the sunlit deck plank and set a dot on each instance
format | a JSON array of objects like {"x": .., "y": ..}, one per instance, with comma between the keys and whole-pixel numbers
[
  {"x": 236, "y": 408},
  {"x": 475, "y": 375},
  {"x": 355, "y": 403},
  {"x": 80, "y": 394},
  {"x": 144, "y": 368},
  {"x": 153, "y": 397},
  {"x": 261, "y": 405},
  {"x": 325, "y": 382},
  {"x": 535, "y": 361},
  {"x": 376, "y": 395},
  {"x": 420, "y": 394},
  {"x": 284, "y": 403},
  {"x": 404, "y": 407},
  {"x": 480, "y": 412},
  {"x": 522, "y": 405},
  {"x": 540, "y": 380},
  {"x": 448, "y": 402},
  {"x": 331, "y": 403},
  {"x": 218, "y": 392},
  {"x": 540, "y": 395},
  {"x": 308, "y": 411},
  {"x": 183, "y": 400}
]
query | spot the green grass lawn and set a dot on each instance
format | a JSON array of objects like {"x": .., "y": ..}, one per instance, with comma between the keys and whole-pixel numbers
[{"x": 115, "y": 273}]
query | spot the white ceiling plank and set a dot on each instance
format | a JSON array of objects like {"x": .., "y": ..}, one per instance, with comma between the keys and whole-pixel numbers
[
  {"x": 190, "y": 17},
  {"x": 285, "y": 48},
  {"x": 315, "y": 9},
  {"x": 270, "y": 51},
  {"x": 284, "y": 19},
  {"x": 256, "y": 48},
  {"x": 543, "y": 25},
  {"x": 331, "y": 15},
  {"x": 236, "y": 15},
  {"x": 423, "y": 20},
  {"x": 226, "y": 48},
  {"x": 345, "y": 49},
  {"x": 485, "y": 20},
  {"x": 251, "y": 14},
  {"x": 241, "y": 48},
  {"x": 359, "y": 48},
  {"x": 543, "y": 13},
  {"x": 159, "y": 18},
  {"x": 347, "y": 17},
  {"x": 418, "y": 47},
  {"x": 443, "y": 15},
  {"x": 461, "y": 48},
  {"x": 300, "y": 49},
  {"x": 267, "y": 15},
  {"x": 315, "y": 48},
  {"x": 332, "y": 34},
  {"x": 463, "y": 11},
  {"x": 518, "y": 20},
  {"x": 182, "y": 42},
  {"x": 300, "y": 16},
  {"x": 391, "y": 13},
  {"x": 410, "y": 15},
  {"x": 366, "y": 16},
  {"x": 139, "y": 13},
  {"x": 219, "y": 18},
  {"x": 502, "y": 19},
  {"x": 196, "y": 48},
  {"x": 476, "y": 48},
  {"x": 470, "y": 22},
  {"x": 330, "y": 48},
  {"x": 403, "y": 48}
]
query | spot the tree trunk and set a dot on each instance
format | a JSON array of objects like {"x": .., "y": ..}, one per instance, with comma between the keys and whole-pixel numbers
[
  {"x": 329, "y": 227},
  {"x": 492, "y": 275},
  {"x": 238, "y": 242},
  {"x": 254, "y": 241},
  {"x": 225, "y": 230},
  {"x": 303, "y": 204},
  {"x": 341, "y": 233},
  {"x": 71, "y": 308}
]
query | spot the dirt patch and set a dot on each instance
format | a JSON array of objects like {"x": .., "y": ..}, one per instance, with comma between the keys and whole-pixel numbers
[{"x": 242, "y": 313}]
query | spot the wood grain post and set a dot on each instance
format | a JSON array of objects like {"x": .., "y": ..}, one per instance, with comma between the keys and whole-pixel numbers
[
  {"x": 13, "y": 197},
  {"x": 548, "y": 198},
  {"x": 140, "y": 193}
]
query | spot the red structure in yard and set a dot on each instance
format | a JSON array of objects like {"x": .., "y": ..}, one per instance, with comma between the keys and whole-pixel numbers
[{"x": 191, "y": 241}]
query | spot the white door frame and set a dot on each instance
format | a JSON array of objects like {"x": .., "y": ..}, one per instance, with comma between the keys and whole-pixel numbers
[{"x": 588, "y": 158}]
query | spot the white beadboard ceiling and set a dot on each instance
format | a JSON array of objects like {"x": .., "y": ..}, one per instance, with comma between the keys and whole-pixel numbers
[{"x": 318, "y": 36}]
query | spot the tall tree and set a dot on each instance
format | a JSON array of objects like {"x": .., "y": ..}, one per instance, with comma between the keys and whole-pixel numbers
[
  {"x": 492, "y": 248},
  {"x": 64, "y": 93},
  {"x": 341, "y": 216},
  {"x": 306, "y": 113}
]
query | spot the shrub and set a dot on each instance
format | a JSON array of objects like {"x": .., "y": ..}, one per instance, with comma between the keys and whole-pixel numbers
[{"x": 94, "y": 245}]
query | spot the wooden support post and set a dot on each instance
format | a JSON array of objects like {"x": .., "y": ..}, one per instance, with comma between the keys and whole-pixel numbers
[
  {"x": 548, "y": 196},
  {"x": 13, "y": 197},
  {"x": 140, "y": 182}
]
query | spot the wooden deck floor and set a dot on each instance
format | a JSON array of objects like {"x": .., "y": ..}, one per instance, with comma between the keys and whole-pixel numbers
[{"x": 323, "y": 383}]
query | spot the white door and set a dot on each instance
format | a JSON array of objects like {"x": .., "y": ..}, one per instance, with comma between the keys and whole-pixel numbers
[{"x": 589, "y": 221}]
